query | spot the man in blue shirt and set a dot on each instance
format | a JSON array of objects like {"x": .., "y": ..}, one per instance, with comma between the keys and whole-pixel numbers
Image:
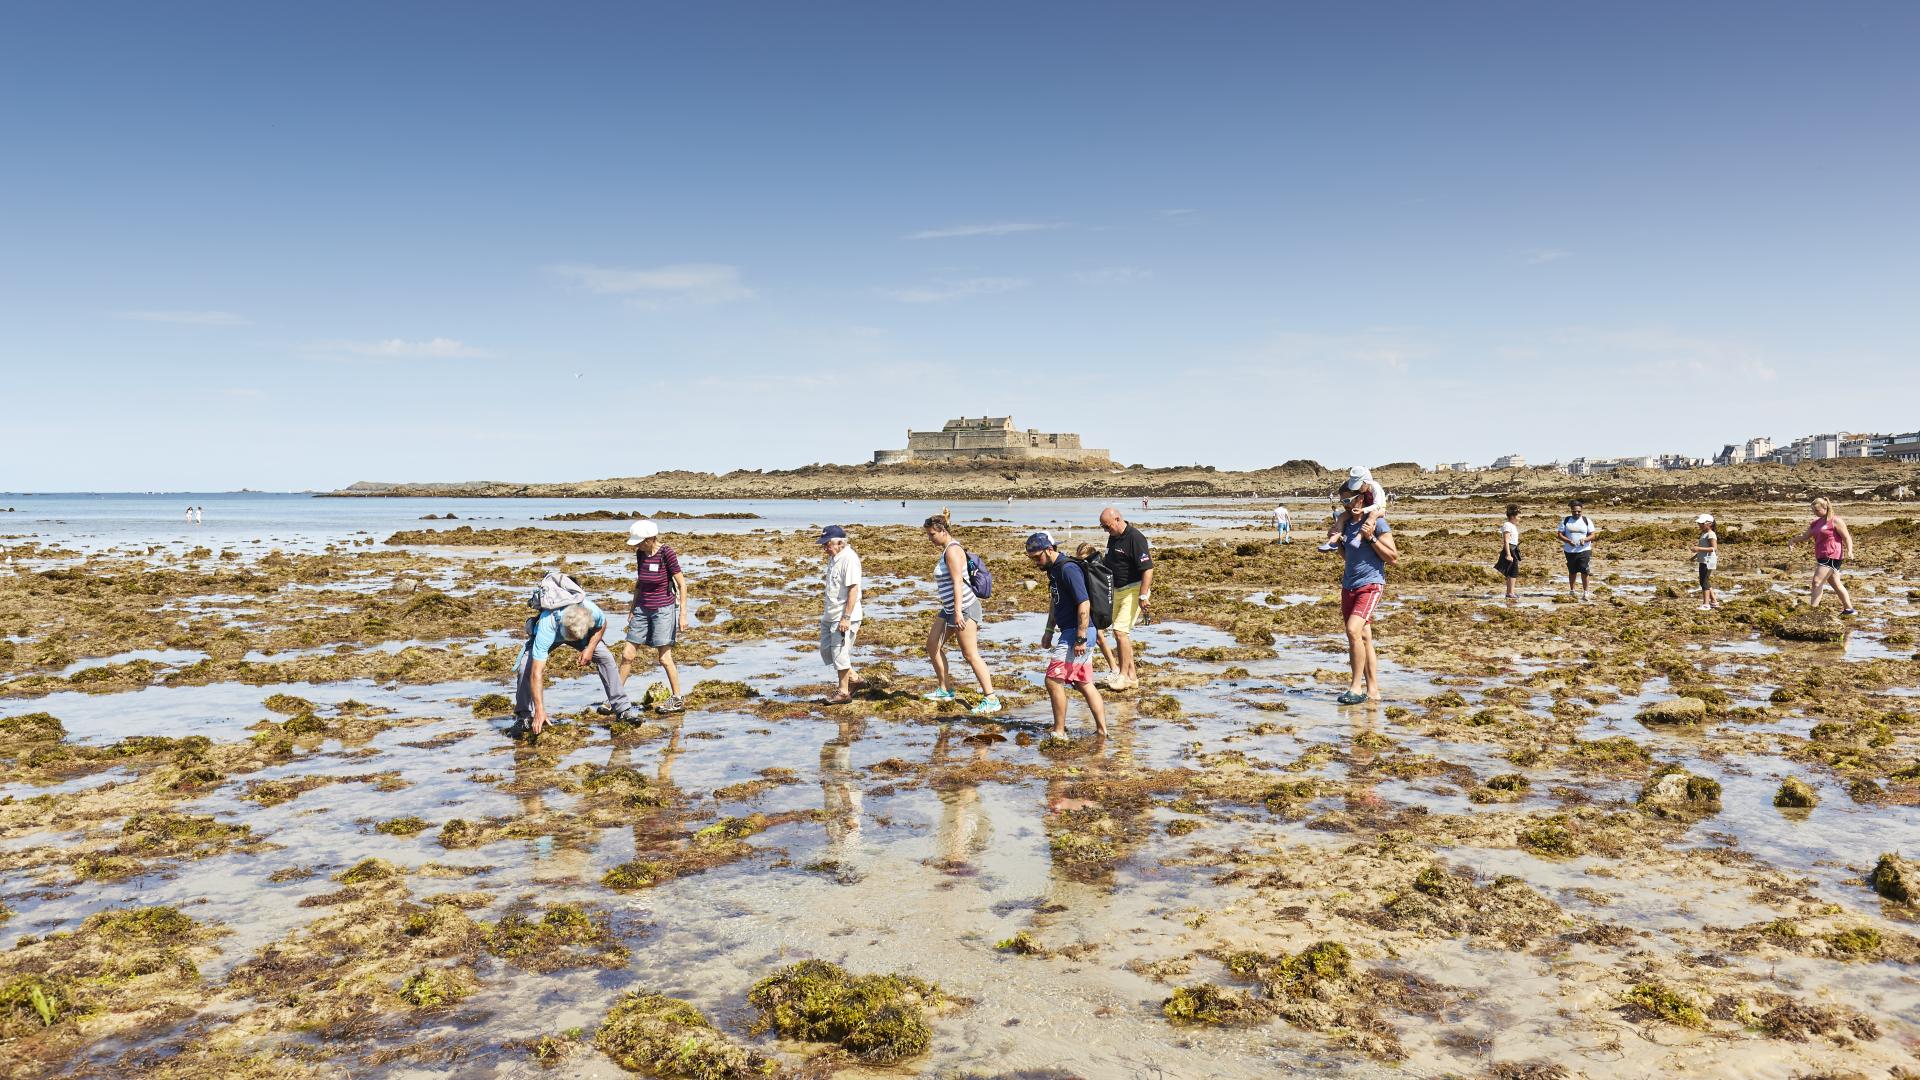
[
  {"x": 1072, "y": 613},
  {"x": 1367, "y": 550},
  {"x": 581, "y": 626}
]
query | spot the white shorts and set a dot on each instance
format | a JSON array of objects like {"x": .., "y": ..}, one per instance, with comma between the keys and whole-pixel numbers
[{"x": 836, "y": 648}]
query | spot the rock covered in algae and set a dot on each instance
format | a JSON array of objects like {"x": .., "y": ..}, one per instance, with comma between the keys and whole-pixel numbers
[
  {"x": 880, "y": 1019},
  {"x": 1815, "y": 624},
  {"x": 1673, "y": 792},
  {"x": 1652, "y": 1000},
  {"x": 666, "y": 1037},
  {"x": 1686, "y": 710},
  {"x": 1896, "y": 878},
  {"x": 1210, "y": 1005},
  {"x": 1795, "y": 793}
]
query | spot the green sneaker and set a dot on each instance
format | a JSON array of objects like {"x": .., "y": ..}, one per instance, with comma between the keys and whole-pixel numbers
[
  {"x": 987, "y": 707},
  {"x": 939, "y": 695}
]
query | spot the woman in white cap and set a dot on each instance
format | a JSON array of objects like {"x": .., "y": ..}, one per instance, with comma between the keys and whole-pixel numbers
[
  {"x": 659, "y": 611},
  {"x": 1706, "y": 552}
]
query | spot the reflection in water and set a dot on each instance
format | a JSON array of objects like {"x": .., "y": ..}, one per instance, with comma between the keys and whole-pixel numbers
[
  {"x": 840, "y": 793},
  {"x": 965, "y": 826}
]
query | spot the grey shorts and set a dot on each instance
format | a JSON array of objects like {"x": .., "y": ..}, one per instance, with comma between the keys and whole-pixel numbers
[
  {"x": 658, "y": 627},
  {"x": 836, "y": 648},
  {"x": 972, "y": 611}
]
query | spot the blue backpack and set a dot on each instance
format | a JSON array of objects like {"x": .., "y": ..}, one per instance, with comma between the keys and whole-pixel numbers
[{"x": 978, "y": 576}]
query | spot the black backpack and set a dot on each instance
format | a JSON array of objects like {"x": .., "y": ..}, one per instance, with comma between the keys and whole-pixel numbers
[{"x": 1099, "y": 577}]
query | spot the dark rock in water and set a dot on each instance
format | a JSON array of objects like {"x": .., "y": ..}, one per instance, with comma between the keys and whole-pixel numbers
[
  {"x": 1796, "y": 793},
  {"x": 1896, "y": 878},
  {"x": 1818, "y": 624},
  {"x": 1686, "y": 710}
]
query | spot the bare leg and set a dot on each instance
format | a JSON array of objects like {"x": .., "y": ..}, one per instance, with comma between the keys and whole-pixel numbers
[
  {"x": 627, "y": 653},
  {"x": 936, "y": 649},
  {"x": 1371, "y": 670},
  {"x": 970, "y": 648},
  {"x": 1819, "y": 582},
  {"x": 673, "y": 670},
  {"x": 1833, "y": 579},
  {"x": 1357, "y": 653},
  {"x": 1106, "y": 653},
  {"x": 1094, "y": 705},
  {"x": 1123, "y": 643},
  {"x": 1057, "y": 697}
]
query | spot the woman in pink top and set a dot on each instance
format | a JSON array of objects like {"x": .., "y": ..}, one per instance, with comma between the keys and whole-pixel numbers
[{"x": 1832, "y": 547}]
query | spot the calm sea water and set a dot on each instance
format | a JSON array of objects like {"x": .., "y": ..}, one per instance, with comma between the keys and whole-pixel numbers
[{"x": 93, "y": 522}]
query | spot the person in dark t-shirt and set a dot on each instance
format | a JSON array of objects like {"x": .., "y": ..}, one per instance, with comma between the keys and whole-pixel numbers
[{"x": 1132, "y": 565}]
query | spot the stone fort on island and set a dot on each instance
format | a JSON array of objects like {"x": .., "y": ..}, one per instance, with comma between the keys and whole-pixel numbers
[{"x": 989, "y": 437}]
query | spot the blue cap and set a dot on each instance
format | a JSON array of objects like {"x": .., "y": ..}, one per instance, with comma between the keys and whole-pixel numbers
[
  {"x": 1040, "y": 541},
  {"x": 832, "y": 532}
]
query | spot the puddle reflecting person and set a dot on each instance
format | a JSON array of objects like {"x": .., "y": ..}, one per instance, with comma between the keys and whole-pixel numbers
[
  {"x": 1509, "y": 561},
  {"x": 960, "y": 617},
  {"x": 659, "y": 611},
  {"x": 1071, "y": 613},
  {"x": 1832, "y": 547},
  {"x": 1132, "y": 565},
  {"x": 1706, "y": 552},
  {"x": 840, "y": 797},
  {"x": 566, "y": 617},
  {"x": 1367, "y": 548},
  {"x": 1576, "y": 534},
  {"x": 840, "y": 613}
]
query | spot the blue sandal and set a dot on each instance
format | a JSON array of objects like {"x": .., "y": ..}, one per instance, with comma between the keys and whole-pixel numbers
[{"x": 1350, "y": 698}]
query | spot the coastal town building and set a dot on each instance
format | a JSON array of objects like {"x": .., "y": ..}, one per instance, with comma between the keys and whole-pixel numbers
[
  {"x": 1903, "y": 447},
  {"x": 1509, "y": 461},
  {"x": 989, "y": 437}
]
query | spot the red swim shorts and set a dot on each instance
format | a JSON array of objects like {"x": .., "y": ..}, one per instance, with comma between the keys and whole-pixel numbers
[
  {"x": 1361, "y": 601},
  {"x": 1063, "y": 666}
]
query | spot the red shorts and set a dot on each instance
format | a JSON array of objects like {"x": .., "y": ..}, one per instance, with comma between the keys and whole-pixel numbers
[
  {"x": 1063, "y": 666},
  {"x": 1361, "y": 601}
]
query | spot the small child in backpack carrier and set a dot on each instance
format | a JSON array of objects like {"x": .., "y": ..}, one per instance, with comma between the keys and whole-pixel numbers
[{"x": 1359, "y": 478}]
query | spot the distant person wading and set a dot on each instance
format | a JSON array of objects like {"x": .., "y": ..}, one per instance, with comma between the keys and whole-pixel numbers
[{"x": 1509, "y": 561}]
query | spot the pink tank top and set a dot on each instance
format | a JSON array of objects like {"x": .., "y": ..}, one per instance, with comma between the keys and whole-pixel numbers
[{"x": 1826, "y": 539}]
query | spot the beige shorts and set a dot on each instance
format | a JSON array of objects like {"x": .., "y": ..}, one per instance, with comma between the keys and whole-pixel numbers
[
  {"x": 836, "y": 648},
  {"x": 1126, "y": 608}
]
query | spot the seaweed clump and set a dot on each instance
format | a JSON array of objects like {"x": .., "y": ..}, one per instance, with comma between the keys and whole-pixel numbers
[
  {"x": 665, "y": 1037},
  {"x": 1652, "y": 1000},
  {"x": 880, "y": 1019},
  {"x": 1896, "y": 878},
  {"x": 1210, "y": 1005},
  {"x": 1673, "y": 792},
  {"x": 33, "y": 727},
  {"x": 564, "y": 937},
  {"x": 433, "y": 988},
  {"x": 1796, "y": 794}
]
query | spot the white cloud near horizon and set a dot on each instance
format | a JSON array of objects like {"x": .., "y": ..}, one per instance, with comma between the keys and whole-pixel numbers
[
  {"x": 695, "y": 283},
  {"x": 1002, "y": 228},
  {"x": 187, "y": 318},
  {"x": 942, "y": 291},
  {"x": 434, "y": 348},
  {"x": 1546, "y": 255}
]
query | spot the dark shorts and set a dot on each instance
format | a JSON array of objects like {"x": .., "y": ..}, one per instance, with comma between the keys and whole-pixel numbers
[
  {"x": 1830, "y": 563},
  {"x": 1706, "y": 576},
  {"x": 1579, "y": 562}
]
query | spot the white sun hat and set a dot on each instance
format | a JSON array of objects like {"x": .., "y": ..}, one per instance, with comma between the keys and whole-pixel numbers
[
  {"x": 641, "y": 531},
  {"x": 1358, "y": 477},
  {"x": 1703, "y": 519}
]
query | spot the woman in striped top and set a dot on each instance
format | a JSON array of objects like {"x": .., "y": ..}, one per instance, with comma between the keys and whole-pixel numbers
[{"x": 959, "y": 616}]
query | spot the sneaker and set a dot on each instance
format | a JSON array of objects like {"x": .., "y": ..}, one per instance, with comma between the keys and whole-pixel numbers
[
  {"x": 987, "y": 707},
  {"x": 603, "y": 709},
  {"x": 1331, "y": 545},
  {"x": 1706, "y": 607},
  {"x": 671, "y": 705},
  {"x": 1848, "y": 611},
  {"x": 629, "y": 715},
  {"x": 939, "y": 695}
]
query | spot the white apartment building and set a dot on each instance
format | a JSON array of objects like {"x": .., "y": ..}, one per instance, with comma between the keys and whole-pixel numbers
[{"x": 1509, "y": 461}]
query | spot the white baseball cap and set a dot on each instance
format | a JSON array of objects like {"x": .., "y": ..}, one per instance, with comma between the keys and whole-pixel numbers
[
  {"x": 1358, "y": 477},
  {"x": 641, "y": 531},
  {"x": 1703, "y": 519}
]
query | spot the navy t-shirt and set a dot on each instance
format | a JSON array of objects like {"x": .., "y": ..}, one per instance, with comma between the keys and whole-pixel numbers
[
  {"x": 1128, "y": 557},
  {"x": 1068, "y": 588}
]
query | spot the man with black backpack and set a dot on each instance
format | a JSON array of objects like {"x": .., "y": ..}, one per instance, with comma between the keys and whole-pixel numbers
[
  {"x": 1071, "y": 612},
  {"x": 1576, "y": 540},
  {"x": 1132, "y": 565}
]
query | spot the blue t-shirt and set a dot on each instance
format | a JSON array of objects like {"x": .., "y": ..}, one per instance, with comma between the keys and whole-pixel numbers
[
  {"x": 1364, "y": 564},
  {"x": 546, "y": 631},
  {"x": 1581, "y": 529},
  {"x": 1068, "y": 586}
]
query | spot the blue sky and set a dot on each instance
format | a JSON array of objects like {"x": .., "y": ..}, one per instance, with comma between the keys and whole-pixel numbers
[{"x": 280, "y": 247}]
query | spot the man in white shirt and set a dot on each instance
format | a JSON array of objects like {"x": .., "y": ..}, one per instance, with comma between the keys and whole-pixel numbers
[
  {"x": 840, "y": 615},
  {"x": 1576, "y": 540},
  {"x": 1282, "y": 525}
]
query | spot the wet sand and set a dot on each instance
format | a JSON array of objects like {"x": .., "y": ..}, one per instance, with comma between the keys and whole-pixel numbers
[{"x": 258, "y": 817}]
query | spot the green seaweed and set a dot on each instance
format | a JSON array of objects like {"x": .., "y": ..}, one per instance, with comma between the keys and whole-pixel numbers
[
  {"x": 880, "y": 1019},
  {"x": 1204, "y": 1004},
  {"x": 1656, "y": 1001},
  {"x": 665, "y": 1037}
]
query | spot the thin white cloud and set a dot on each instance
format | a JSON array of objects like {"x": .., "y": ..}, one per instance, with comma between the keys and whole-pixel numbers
[
  {"x": 433, "y": 348},
  {"x": 1001, "y": 228},
  {"x": 1546, "y": 255},
  {"x": 696, "y": 283},
  {"x": 187, "y": 318},
  {"x": 942, "y": 291},
  {"x": 1111, "y": 275}
]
